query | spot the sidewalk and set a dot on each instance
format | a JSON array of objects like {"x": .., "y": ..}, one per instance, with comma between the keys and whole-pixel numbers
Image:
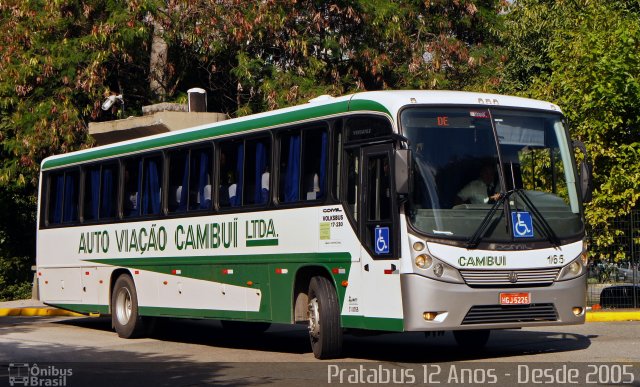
[{"x": 37, "y": 308}]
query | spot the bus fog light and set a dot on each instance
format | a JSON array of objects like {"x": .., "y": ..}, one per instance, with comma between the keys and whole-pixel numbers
[
  {"x": 424, "y": 261},
  {"x": 429, "y": 316},
  {"x": 418, "y": 246},
  {"x": 438, "y": 270},
  {"x": 577, "y": 310}
]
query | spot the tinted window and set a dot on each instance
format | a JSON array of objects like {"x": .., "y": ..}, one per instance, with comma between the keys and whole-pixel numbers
[
  {"x": 231, "y": 172},
  {"x": 131, "y": 187},
  {"x": 100, "y": 193},
  {"x": 303, "y": 165},
  {"x": 63, "y": 197},
  {"x": 151, "y": 185}
]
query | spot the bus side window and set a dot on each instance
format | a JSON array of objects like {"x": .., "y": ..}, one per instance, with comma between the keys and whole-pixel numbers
[
  {"x": 178, "y": 178},
  {"x": 91, "y": 193},
  {"x": 256, "y": 171},
  {"x": 289, "y": 167},
  {"x": 63, "y": 197},
  {"x": 200, "y": 179},
  {"x": 131, "y": 187},
  {"x": 108, "y": 191},
  {"x": 100, "y": 195},
  {"x": 230, "y": 170},
  {"x": 337, "y": 154},
  {"x": 303, "y": 165},
  {"x": 352, "y": 181},
  {"x": 71, "y": 190},
  {"x": 56, "y": 197},
  {"x": 151, "y": 186},
  {"x": 314, "y": 163}
]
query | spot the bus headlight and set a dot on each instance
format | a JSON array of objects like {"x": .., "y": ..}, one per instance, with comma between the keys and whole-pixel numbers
[
  {"x": 574, "y": 269},
  {"x": 423, "y": 261},
  {"x": 431, "y": 267},
  {"x": 442, "y": 271}
]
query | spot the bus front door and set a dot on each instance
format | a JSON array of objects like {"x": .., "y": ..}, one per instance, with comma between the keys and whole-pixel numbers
[{"x": 379, "y": 236}]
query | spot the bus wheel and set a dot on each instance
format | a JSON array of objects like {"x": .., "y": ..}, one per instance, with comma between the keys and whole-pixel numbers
[
  {"x": 124, "y": 305},
  {"x": 246, "y": 327},
  {"x": 475, "y": 339},
  {"x": 324, "y": 319}
]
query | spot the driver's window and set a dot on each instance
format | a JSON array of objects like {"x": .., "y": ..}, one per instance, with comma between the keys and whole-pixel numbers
[
  {"x": 353, "y": 181},
  {"x": 378, "y": 227},
  {"x": 379, "y": 192}
]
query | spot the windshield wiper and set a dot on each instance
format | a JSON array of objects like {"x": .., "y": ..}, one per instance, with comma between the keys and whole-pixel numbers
[
  {"x": 544, "y": 226},
  {"x": 479, "y": 234}
]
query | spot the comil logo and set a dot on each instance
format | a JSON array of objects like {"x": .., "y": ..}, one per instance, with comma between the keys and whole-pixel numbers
[{"x": 23, "y": 374}]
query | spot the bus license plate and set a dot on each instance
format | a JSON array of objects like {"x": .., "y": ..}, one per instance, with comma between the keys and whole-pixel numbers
[{"x": 515, "y": 298}]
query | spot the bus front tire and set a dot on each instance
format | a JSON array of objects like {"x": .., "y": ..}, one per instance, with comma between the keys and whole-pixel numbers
[
  {"x": 474, "y": 339},
  {"x": 124, "y": 303},
  {"x": 325, "y": 331}
]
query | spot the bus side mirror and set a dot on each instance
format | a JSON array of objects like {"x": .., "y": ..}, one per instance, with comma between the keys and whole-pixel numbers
[
  {"x": 584, "y": 171},
  {"x": 402, "y": 170}
]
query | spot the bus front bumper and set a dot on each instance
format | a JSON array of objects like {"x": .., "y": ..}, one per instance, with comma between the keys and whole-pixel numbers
[{"x": 430, "y": 305}]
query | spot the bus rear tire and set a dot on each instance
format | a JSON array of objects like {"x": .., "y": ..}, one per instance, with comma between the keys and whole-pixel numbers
[
  {"x": 325, "y": 331},
  {"x": 124, "y": 304},
  {"x": 474, "y": 339}
]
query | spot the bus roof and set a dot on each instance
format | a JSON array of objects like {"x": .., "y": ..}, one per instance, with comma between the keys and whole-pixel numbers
[{"x": 386, "y": 102}]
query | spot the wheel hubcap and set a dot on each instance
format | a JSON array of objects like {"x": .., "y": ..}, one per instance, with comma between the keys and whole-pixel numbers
[
  {"x": 123, "y": 306},
  {"x": 314, "y": 318}
]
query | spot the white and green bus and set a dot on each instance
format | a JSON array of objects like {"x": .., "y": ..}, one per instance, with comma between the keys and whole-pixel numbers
[{"x": 345, "y": 214}]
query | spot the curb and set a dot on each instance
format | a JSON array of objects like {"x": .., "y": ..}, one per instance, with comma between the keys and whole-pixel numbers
[
  {"x": 40, "y": 312},
  {"x": 612, "y": 316}
]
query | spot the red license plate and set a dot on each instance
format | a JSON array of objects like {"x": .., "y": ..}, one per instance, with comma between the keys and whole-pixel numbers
[{"x": 515, "y": 298}]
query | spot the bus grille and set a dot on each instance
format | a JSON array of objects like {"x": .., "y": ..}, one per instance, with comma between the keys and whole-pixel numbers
[
  {"x": 529, "y": 277},
  {"x": 492, "y": 314}
]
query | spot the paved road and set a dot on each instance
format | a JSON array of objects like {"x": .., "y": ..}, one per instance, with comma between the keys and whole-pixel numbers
[{"x": 203, "y": 351}]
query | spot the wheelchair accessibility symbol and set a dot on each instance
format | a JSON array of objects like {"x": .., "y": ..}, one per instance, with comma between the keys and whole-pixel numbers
[
  {"x": 522, "y": 224},
  {"x": 382, "y": 240}
]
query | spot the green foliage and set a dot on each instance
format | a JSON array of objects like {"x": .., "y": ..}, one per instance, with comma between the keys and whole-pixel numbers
[
  {"x": 584, "y": 55},
  {"x": 59, "y": 60},
  {"x": 17, "y": 243},
  {"x": 258, "y": 56}
]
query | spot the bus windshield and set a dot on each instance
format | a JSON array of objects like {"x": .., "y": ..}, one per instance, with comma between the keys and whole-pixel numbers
[{"x": 461, "y": 170}]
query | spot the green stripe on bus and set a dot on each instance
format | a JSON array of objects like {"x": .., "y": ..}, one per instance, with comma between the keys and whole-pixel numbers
[
  {"x": 262, "y": 242},
  {"x": 273, "y": 274},
  {"x": 157, "y": 311},
  {"x": 180, "y": 137},
  {"x": 373, "y": 323}
]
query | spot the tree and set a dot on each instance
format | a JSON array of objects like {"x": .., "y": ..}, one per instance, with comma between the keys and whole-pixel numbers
[
  {"x": 584, "y": 55},
  {"x": 59, "y": 61},
  {"x": 262, "y": 55}
]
